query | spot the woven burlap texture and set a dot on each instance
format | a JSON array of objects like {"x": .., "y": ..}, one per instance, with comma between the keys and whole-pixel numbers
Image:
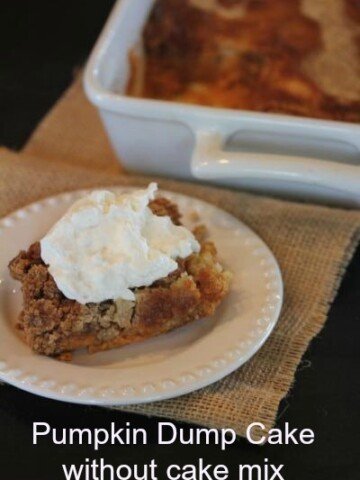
[{"x": 312, "y": 244}]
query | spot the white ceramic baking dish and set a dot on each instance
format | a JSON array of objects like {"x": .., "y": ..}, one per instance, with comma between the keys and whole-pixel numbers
[{"x": 289, "y": 155}]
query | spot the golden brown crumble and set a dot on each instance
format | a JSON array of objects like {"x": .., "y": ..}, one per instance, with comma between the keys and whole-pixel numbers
[
  {"x": 252, "y": 61},
  {"x": 54, "y": 325}
]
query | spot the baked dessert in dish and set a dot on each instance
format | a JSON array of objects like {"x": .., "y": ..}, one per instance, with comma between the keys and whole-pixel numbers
[
  {"x": 54, "y": 324},
  {"x": 279, "y": 56}
]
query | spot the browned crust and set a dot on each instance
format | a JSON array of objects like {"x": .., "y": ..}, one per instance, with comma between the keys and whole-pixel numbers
[
  {"x": 252, "y": 62},
  {"x": 54, "y": 325}
]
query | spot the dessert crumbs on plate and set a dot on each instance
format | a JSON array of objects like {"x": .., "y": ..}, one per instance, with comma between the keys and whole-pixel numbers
[{"x": 55, "y": 325}]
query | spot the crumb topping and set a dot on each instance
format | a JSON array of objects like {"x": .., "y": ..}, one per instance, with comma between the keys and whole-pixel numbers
[{"x": 52, "y": 324}]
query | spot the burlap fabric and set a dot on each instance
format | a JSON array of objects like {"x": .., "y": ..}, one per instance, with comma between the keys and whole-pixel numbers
[{"x": 313, "y": 245}]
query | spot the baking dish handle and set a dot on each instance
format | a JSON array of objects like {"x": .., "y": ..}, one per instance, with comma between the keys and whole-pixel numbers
[{"x": 211, "y": 162}]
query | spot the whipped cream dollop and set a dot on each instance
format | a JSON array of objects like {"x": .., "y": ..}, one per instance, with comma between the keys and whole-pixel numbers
[{"x": 108, "y": 243}]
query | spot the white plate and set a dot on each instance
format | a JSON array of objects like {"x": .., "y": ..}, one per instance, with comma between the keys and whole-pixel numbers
[{"x": 163, "y": 367}]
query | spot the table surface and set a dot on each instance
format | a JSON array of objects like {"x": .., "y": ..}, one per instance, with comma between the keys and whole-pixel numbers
[{"x": 42, "y": 43}]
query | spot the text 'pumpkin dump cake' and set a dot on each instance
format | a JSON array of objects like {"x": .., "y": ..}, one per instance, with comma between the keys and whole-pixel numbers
[{"x": 115, "y": 269}]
